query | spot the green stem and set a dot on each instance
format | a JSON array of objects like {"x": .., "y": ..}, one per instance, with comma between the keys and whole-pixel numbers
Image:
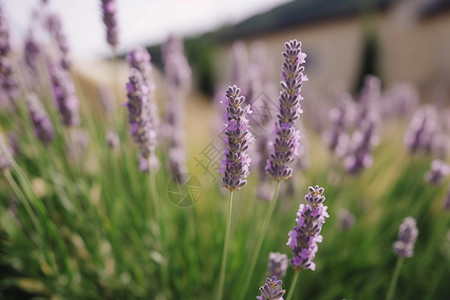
[
  {"x": 393, "y": 284},
  {"x": 158, "y": 207},
  {"x": 225, "y": 247},
  {"x": 23, "y": 200},
  {"x": 293, "y": 285},
  {"x": 261, "y": 240}
]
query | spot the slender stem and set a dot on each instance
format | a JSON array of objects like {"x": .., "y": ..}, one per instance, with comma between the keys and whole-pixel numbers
[
  {"x": 225, "y": 247},
  {"x": 261, "y": 240},
  {"x": 160, "y": 212},
  {"x": 393, "y": 284},
  {"x": 293, "y": 285},
  {"x": 23, "y": 200}
]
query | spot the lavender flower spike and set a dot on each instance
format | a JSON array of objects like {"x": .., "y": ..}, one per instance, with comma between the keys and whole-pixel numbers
[
  {"x": 65, "y": 96},
  {"x": 437, "y": 173},
  {"x": 407, "y": 235},
  {"x": 271, "y": 290},
  {"x": 43, "y": 127},
  {"x": 236, "y": 161},
  {"x": 109, "y": 8},
  {"x": 304, "y": 237},
  {"x": 4, "y": 35},
  {"x": 141, "y": 126},
  {"x": 277, "y": 265},
  {"x": 287, "y": 137}
]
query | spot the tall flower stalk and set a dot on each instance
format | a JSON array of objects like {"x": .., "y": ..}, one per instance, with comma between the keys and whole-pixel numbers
[
  {"x": 286, "y": 141},
  {"x": 404, "y": 247},
  {"x": 235, "y": 165},
  {"x": 303, "y": 238}
]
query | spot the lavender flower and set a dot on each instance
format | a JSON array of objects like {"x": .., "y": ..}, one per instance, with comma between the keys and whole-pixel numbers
[
  {"x": 271, "y": 290},
  {"x": 340, "y": 119},
  {"x": 400, "y": 100},
  {"x": 278, "y": 264},
  {"x": 109, "y": 9},
  {"x": 437, "y": 173},
  {"x": 421, "y": 129},
  {"x": 65, "y": 96},
  {"x": 287, "y": 137},
  {"x": 54, "y": 26},
  {"x": 43, "y": 127},
  {"x": 112, "y": 139},
  {"x": 368, "y": 98},
  {"x": 32, "y": 51},
  {"x": 7, "y": 80},
  {"x": 361, "y": 143},
  {"x": 4, "y": 35},
  {"x": 176, "y": 67},
  {"x": 236, "y": 161},
  {"x": 407, "y": 235},
  {"x": 142, "y": 127},
  {"x": 139, "y": 58},
  {"x": 304, "y": 237},
  {"x": 447, "y": 200},
  {"x": 345, "y": 220},
  {"x": 178, "y": 79}
]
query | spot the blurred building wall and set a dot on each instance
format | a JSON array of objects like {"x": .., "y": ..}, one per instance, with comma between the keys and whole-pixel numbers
[{"x": 410, "y": 47}]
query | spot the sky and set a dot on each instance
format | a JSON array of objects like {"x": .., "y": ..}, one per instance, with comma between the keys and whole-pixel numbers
[{"x": 141, "y": 22}]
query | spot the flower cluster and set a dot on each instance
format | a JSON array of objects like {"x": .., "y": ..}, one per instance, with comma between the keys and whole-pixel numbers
[
  {"x": 304, "y": 237},
  {"x": 236, "y": 162},
  {"x": 437, "y": 173},
  {"x": 139, "y": 58},
  {"x": 407, "y": 235},
  {"x": 142, "y": 128},
  {"x": 361, "y": 143},
  {"x": 287, "y": 137},
  {"x": 31, "y": 53},
  {"x": 109, "y": 9},
  {"x": 345, "y": 219},
  {"x": 43, "y": 127},
  {"x": 278, "y": 264},
  {"x": 421, "y": 129},
  {"x": 55, "y": 28},
  {"x": 7, "y": 80},
  {"x": 271, "y": 290},
  {"x": 65, "y": 96}
]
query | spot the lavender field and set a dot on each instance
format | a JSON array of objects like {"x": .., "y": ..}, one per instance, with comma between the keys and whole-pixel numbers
[{"x": 156, "y": 179}]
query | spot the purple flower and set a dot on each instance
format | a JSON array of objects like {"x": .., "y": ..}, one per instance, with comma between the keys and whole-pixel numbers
[
  {"x": 236, "y": 161},
  {"x": 142, "y": 127},
  {"x": 368, "y": 99},
  {"x": 178, "y": 72},
  {"x": 64, "y": 93},
  {"x": 4, "y": 35},
  {"x": 421, "y": 130},
  {"x": 437, "y": 173},
  {"x": 278, "y": 264},
  {"x": 271, "y": 290},
  {"x": 54, "y": 26},
  {"x": 109, "y": 9},
  {"x": 112, "y": 139},
  {"x": 362, "y": 141},
  {"x": 8, "y": 81},
  {"x": 139, "y": 58},
  {"x": 32, "y": 51},
  {"x": 340, "y": 119},
  {"x": 407, "y": 235},
  {"x": 304, "y": 237},
  {"x": 345, "y": 219},
  {"x": 287, "y": 137},
  {"x": 447, "y": 200},
  {"x": 43, "y": 127}
]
